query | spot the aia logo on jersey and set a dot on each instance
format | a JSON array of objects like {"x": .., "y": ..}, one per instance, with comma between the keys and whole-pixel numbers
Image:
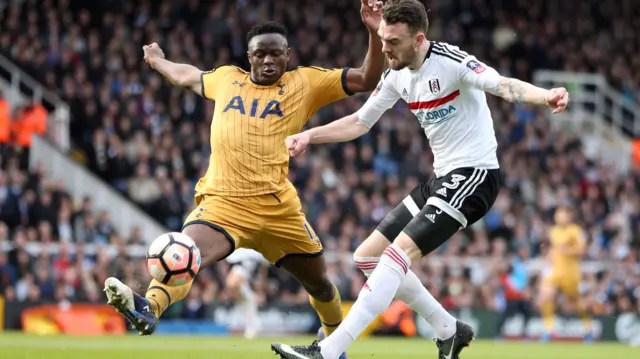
[
  {"x": 475, "y": 66},
  {"x": 378, "y": 88},
  {"x": 434, "y": 86}
]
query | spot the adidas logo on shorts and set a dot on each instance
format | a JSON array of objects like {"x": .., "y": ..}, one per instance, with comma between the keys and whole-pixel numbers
[
  {"x": 442, "y": 191},
  {"x": 431, "y": 217}
]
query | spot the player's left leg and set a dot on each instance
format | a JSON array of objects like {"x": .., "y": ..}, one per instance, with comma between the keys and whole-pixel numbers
[
  {"x": 323, "y": 295},
  {"x": 291, "y": 243},
  {"x": 571, "y": 290}
]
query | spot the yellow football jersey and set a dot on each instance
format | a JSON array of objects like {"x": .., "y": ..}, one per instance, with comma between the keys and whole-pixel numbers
[
  {"x": 251, "y": 122},
  {"x": 571, "y": 236}
]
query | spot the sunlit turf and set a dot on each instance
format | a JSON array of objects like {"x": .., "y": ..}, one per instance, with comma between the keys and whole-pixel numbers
[{"x": 20, "y": 346}]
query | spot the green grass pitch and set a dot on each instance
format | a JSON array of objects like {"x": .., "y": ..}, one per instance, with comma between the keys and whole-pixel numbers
[{"x": 19, "y": 346}]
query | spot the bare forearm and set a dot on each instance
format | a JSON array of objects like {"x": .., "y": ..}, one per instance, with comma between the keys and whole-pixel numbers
[
  {"x": 514, "y": 90},
  {"x": 366, "y": 77},
  {"x": 182, "y": 75},
  {"x": 374, "y": 62},
  {"x": 343, "y": 130}
]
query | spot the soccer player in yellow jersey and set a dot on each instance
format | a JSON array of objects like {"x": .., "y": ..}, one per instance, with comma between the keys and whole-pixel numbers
[
  {"x": 567, "y": 245},
  {"x": 245, "y": 200}
]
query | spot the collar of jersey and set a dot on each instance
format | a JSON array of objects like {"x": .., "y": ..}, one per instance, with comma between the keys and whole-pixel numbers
[
  {"x": 253, "y": 84},
  {"x": 423, "y": 61}
]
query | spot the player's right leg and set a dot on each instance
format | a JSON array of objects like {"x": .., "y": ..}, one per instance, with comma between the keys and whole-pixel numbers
[
  {"x": 546, "y": 303},
  {"x": 460, "y": 199},
  {"x": 411, "y": 290},
  {"x": 209, "y": 231}
]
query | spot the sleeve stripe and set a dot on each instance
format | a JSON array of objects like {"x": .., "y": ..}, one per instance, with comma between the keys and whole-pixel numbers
[
  {"x": 445, "y": 48},
  {"x": 202, "y": 85},
  {"x": 458, "y": 60},
  {"x": 344, "y": 81},
  {"x": 456, "y": 54}
]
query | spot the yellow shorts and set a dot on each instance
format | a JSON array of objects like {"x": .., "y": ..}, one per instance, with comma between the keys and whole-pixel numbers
[
  {"x": 568, "y": 284},
  {"x": 272, "y": 224}
]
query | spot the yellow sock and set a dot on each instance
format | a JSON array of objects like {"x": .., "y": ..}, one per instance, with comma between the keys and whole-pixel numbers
[
  {"x": 547, "y": 309},
  {"x": 161, "y": 296},
  {"x": 330, "y": 313},
  {"x": 584, "y": 315}
]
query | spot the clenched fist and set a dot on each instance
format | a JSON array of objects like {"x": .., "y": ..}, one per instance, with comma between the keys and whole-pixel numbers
[
  {"x": 297, "y": 144},
  {"x": 152, "y": 51},
  {"x": 558, "y": 99}
]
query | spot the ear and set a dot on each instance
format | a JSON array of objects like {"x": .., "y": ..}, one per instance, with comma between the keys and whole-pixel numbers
[
  {"x": 249, "y": 55},
  {"x": 288, "y": 53},
  {"x": 420, "y": 37}
]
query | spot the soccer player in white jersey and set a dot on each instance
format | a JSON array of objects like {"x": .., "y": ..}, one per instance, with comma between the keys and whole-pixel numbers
[
  {"x": 445, "y": 89},
  {"x": 244, "y": 263}
]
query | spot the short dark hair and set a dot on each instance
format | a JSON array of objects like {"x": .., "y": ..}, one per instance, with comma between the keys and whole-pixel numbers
[
  {"x": 267, "y": 27},
  {"x": 410, "y": 12}
]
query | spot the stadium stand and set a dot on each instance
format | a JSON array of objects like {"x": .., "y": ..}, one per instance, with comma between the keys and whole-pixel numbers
[{"x": 137, "y": 132}]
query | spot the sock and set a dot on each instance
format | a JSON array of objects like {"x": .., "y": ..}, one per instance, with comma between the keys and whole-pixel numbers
[
  {"x": 547, "y": 310},
  {"x": 418, "y": 298},
  {"x": 249, "y": 304},
  {"x": 583, "y": 313},
  {"x": 160, "y": 296},
  {"x": 374, "y": 298},
  {"x": 330, "y": 313}
]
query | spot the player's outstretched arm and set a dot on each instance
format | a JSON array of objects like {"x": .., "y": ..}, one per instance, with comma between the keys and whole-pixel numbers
[
  {"x": 514, "y": 90},
  {"x": 182, "y": 75},
  {"x": 365, "y": 78},
  {"x": 345, "y": 129}
]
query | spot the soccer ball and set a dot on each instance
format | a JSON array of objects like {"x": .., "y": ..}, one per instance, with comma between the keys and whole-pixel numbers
[{"x": 173, "y": 259}]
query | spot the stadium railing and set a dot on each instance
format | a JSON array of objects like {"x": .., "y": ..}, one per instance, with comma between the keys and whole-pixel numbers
[
  {"x": 604, "y": 118},
  {"x": 18, "y": 86},
  {"x": 80, "y": 182}
]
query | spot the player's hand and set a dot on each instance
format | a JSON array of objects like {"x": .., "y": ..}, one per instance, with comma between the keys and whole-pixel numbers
[
  {"x": 152, "y": 51},
  {"x": 371, "y": 13},
  {"x": 297, "y": 144},
  {"x": 558, "y": 99}
]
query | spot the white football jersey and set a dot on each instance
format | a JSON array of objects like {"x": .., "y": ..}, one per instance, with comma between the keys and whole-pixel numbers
[{"x": 446, "y": 94}]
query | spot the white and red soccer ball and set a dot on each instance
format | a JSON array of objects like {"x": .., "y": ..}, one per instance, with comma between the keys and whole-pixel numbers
[{"x": 173, "y": 259}]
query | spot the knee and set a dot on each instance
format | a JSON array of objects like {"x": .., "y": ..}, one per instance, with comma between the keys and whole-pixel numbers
[
  {"x": 321, "y": 289},
  {"x": 371, "y": 248},
  {"x": 363, "y": 254},
  {"x": 213, "y": 244}
]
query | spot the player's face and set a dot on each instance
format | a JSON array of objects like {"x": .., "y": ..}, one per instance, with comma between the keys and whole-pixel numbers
[
  {"x": 562, "y": 216},
  {"x": 399, "y": 44},
  {"x": 268, "y": 56}
]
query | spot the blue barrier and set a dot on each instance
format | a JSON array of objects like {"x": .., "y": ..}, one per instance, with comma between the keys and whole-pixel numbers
[{"x": 191, "y": 327}]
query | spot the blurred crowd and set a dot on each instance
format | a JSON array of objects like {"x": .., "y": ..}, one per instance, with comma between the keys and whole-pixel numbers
[{"x": 137, "y": 132}]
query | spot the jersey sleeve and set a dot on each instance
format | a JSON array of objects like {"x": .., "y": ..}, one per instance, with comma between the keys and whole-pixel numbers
[
  {"x": 210, "y": 81},
  {"x": 382, "y": 98},
  {"x": 476, "y": 74},
  {"x": 326, "y": 85}
]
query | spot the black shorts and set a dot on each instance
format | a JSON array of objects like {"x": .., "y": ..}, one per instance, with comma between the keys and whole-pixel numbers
[{"x": 436, "y": 209}]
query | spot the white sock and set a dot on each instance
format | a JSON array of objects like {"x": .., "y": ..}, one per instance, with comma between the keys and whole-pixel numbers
[
  {"x": 418, "y": 298},
  {"x": 374, "y": 298}
]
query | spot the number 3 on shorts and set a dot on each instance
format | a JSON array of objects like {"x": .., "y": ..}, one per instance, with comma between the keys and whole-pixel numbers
[{"x": 456, "y": 179}]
